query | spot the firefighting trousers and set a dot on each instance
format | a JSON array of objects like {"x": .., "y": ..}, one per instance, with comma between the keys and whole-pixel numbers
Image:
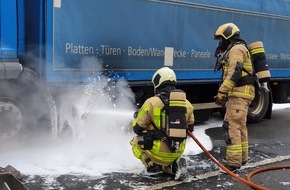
[
  {"x": 159, "y": 154},
  {"x": 235, "y": 123}
]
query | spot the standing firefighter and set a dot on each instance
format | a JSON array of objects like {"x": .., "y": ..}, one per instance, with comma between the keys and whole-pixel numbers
[
  {"x": 161, "y": 126},
  {"x": 237, "y": 90}
]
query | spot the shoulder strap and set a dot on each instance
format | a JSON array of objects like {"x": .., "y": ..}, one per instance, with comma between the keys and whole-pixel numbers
[
  {"x": 247, "y": 72},
  {"x": 250, "y": 58},
  {"x": 164, "y": 98},
  {"x": 161, "y": 135}
]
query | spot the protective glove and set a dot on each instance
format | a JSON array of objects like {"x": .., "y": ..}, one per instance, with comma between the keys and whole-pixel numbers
[
  {"x": 190, "y": 128},
  {"x": 220, "y": 98}
]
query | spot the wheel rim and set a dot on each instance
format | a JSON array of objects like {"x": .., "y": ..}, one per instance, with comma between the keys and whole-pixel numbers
[
  {"x": 257, "y": 104},
  {"x": 11, "y": 120}
]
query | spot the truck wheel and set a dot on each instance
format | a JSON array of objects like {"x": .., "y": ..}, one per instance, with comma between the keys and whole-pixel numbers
[
  {"x": 11, "y": 111},
  {"x": 259, "y": 106},
  {"x": 25, "y": 109}
]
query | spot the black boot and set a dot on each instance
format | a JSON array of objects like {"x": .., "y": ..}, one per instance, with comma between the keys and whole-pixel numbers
[
  {"x": 233, "y": 169},
  {"x": 179, "y": 168},
  {"x": 154, "y": 169}
]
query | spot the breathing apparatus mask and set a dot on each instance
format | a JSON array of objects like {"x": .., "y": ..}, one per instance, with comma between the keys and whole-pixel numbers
[
  {"x": 220, "y": 52},
  {"x": 221, "y": 47}
]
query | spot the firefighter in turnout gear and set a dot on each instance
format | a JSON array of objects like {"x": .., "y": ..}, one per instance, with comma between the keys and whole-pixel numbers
[
  {"x": 161, "y": 126},
  {"x": 236, "y": 92}
]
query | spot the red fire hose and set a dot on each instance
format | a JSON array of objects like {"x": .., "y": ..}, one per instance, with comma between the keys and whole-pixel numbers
[
  {"x": 246, "y": 181},
  {"x": 251, "y": 174}
]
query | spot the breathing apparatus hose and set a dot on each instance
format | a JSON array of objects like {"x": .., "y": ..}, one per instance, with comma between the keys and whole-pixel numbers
[{"x": 247, "y": 182}]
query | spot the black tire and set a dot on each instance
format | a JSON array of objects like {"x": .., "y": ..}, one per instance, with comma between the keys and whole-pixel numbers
[
  {"x": 30, "y": 103},
  {"x": 12, "y": 112},
  {"x": 259, "y": 106},
  {"x": 202, "y": 115}
]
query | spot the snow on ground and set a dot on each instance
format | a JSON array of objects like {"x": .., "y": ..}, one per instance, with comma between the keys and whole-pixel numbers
[{"x": 281, "y": 106}]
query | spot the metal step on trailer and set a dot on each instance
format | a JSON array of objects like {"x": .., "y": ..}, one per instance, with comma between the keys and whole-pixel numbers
[{"x": 10, "y": 182}]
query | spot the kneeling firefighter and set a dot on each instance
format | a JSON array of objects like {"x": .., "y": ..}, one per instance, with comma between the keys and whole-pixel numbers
[
  {"x": 161, "y": 125},
  {"x": 237, "y": 89}
]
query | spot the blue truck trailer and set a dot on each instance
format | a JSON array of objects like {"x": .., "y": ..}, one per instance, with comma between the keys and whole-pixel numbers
[{"x": 44, "y": 44}]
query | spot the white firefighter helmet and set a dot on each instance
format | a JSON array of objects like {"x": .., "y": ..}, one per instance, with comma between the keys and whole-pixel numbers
[
  {"x": 163, "y": 76},
  {"x": 226, "y": 31}
]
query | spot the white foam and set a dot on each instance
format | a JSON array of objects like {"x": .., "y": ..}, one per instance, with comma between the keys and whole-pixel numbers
[{"x": 103, "y": 148}]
